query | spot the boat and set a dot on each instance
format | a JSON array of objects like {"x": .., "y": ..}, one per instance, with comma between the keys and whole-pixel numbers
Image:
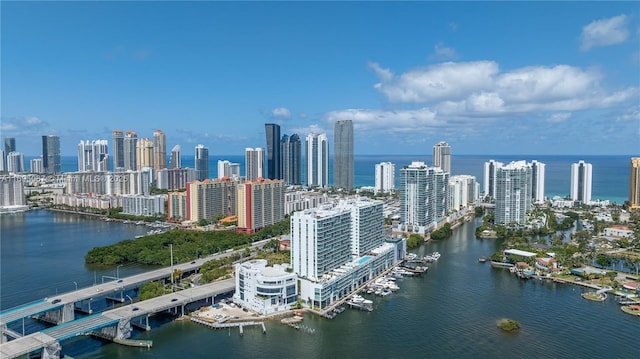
[
  {"x": 482, "y": 259},
  {"x": 631, "y": 309}
]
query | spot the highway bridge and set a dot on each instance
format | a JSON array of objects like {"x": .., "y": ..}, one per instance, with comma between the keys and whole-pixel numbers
[
  {"x": 113, "y": 324},
  {"x": 61, "y": 308}
]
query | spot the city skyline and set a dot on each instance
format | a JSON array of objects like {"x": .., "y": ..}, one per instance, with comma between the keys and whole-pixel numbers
[{"x": 564, "y": 74}]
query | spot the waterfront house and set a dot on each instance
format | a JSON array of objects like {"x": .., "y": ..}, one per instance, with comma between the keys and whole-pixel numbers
[{"x": 548, "y": 265}]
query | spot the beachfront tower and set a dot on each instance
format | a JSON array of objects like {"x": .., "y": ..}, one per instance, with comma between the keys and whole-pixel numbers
[
  {"x": 581, "y": 182},
  {"x": 317, "y": 151},
  {"x": 343, "y": 166},
  {"x": 634, "y": 184},
  {"x": 202, "y": 163},
  {"x": 442, "y": 156},
  {"x": 513, "y": 193},
  {"x": 274, "y": 167}
]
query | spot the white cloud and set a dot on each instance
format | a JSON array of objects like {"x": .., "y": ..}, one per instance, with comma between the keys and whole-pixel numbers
[
  {"x": 281, "y": 113},
  {"x": 304, "y": 131},
  {"x": 449, "y": 80},
  {"x": 604, "y": 32},
  {"x": 382, "y": 74},
  {"x": 630, "y": 114},
  {"x": 388, "y": 121},
  {"x": 480, "y": 89},
  {"x": 441, "y": 52},
  {"x": 23, "y": 125},
  {"x": 559, "y": 117}
]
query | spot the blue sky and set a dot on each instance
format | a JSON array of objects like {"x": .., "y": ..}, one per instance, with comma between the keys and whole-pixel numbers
[{"x": 486, "y": 77}]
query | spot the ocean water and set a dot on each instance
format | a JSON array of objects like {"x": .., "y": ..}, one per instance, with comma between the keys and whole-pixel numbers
[{"x": 610, "y": 173}]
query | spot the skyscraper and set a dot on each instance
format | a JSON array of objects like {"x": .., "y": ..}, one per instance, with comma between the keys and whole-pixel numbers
[
  {"x": 15, "y": 162},
  {"x": 130, "y": 151},
  {"x": 159, "y": 151},
  {"x": 175, "y": 161},
  {"x": 537, "y": 181},
  {"x": 9, "y": 146},
  {"x": 93, "y": 156},
  {"x": 424, "y": 196},
  {"x": 317, "y": 160},
  {"x": 254, "y": 163},
  {"x": 228, "y": 169},
  {"x": 513, "y": 193},
  {"x": 442, "y": 156},
  {"x": 35, "y": 166},
  {"x": 118, "y": 150},
  {"x": 385, "y": 177},
  {"x": 274, "y": 169},
  {"x": 144, "y": 153},
  {"x": 343, "y": 166},
  {"x": 202, "y": 163},
  {"x": 634, "y": 183},
  {"x": 291, "y": 151},
  {"x": 490, "y": 169},
  {"x": 581, "y": 182},
  {"x": 51, "y": 153}
]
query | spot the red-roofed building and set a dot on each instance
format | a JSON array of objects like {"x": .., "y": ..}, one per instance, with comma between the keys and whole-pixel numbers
[{"x": 547, "y": 264}]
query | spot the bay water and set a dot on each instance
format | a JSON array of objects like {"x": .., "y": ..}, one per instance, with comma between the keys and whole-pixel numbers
[{"x": 450, "y": 311}]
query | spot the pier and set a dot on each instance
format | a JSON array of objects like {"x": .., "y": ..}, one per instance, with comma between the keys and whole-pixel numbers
[{"x": 240, "y": 325}]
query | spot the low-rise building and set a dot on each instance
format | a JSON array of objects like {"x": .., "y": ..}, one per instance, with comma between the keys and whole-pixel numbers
[{"x": 265, "y": 290}]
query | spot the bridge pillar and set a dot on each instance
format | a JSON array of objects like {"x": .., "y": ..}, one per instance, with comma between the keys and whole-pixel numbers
[
  {"x": 123, "y": 331},
  {"x": 51, "y": 350},
  {"x": 68, "y": 313},
  {"x": 3, "y": 337}
]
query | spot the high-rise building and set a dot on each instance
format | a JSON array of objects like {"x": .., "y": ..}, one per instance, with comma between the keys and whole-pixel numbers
[
  {"x": 12, "y": 192},
  {"x": 537, "y": 181},
  {"x": 413, "y": 194},
  {"x": 93, "y": 156},
  {"x": 442, "y": 156},
  {"x": 367, "y": 224},
  {"x": 3, "y": 161},
  {"x": 175, "y": 161},
  {"x": 228, "y": 169},
  {"x": 291, "y": 151},
  {"x": 385, "y": 177},
  {"x": 463, "y": 190},
  {"x": 317, "y": 150},
  {"x": 175, "y": 178},
  {"x": 312, "y": 229},
  {"x": 581, "y": 182},
  {"x": 274, "y": 167},
  {"x": 343, "y": 166},
  {"x": 117, "y": 137},
  {"x": 259, "y": 204},
  {"x": 254, "y": 163},
  {"x": 207, "y": 199},
  {"x": 159, "y": 151},
  {"x": 144, "y": 153},
  {"x": 490, "y": 169},
  {"x": 424, "y": 196},
  {"x": 513, "y": 193},
  {"x": 130, "y": 146},
  {"x": 15, "y": 162},
  {"x": 9, "y": 146},
  {"x": 634, "y": 183},
  {"x": 202, "y": 163},
  {"x": 35, "y": 166},
  {"x": 51, "y": 153}
]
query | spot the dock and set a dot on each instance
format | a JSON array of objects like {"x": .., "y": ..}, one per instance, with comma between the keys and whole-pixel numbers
[{"x": 240, "y": 325}]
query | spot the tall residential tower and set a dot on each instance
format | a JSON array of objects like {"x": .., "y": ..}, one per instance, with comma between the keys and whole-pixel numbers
[
  {"x": 442, "y": 156},
  {"x": 274, "y": 169},
  {"x": 317, "y": 154},
  {"x": 343, "y": 166},
  {"x": 202, "y": 163},
  {"x": 51, "y": 154},
  {"x": 581, "y": 182},
  {"x": 634, "y": 184}
]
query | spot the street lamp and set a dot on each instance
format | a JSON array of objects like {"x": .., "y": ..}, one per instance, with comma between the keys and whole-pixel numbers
[
  {"x": 76, "y": 283},
  {"x": 117, "y": 271},
  {"x": 129, "y": 298}
]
